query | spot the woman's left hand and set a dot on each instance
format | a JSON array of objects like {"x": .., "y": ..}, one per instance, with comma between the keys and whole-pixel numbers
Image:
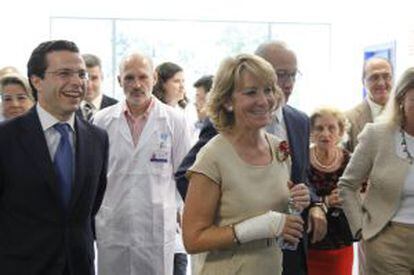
[{"x": 300, "y": 195}]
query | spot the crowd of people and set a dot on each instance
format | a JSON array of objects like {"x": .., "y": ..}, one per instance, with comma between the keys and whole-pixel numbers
[{"x": 264, "y": 189}]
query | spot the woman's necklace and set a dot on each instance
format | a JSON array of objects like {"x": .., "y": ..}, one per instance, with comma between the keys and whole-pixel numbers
[
  {"x": 333, "y": 165},
  {"x": 405, "y": 147}
]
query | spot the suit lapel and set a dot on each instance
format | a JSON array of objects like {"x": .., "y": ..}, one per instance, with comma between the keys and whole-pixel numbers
[
  {"x": 298, "y": 136},
  {"x": 34, "y": 143},
  {"x": 82, "y": 157},
  {"x": 364, "y": 116}
]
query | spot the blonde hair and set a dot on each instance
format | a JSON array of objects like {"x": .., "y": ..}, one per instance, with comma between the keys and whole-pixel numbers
[
  {"x": 17, "y": 79},
  {"x": 331, "y": 111},
  {"x": 394, "y": 113},
  {"x": 228, "y": 78}
]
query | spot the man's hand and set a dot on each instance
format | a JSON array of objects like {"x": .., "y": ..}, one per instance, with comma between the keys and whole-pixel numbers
[
  {"x": 300, "y": 195},
  {"x": 293, "y": 229}
]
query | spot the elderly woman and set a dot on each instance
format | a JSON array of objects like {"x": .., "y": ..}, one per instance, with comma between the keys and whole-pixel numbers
[
  {"x": 385, "y": 155},
  {"x": 169, "y": 87},
  {"x": 238, "y": 190},
  {"x": 16, "y": 95},
  {"x": 334, "y": 253}
]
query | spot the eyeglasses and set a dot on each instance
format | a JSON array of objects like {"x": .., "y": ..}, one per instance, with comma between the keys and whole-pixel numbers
[
  {"x": 285, "y": 75},
  {"x": 10, "y": 98},
  {"x": 66, "y": 74},
  {"x": 377, "y": 76}
]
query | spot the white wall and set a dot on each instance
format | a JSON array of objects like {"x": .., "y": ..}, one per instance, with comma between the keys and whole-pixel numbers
[{"x": 355, "y": 25}]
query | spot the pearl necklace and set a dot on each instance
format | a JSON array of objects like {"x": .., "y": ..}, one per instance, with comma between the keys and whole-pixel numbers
[
  {"x": 405, "y": 147},
  {"x": 333, "y": 165}
]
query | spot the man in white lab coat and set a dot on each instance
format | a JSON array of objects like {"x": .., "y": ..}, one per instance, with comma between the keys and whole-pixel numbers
[{"x": 136, "y": 224}]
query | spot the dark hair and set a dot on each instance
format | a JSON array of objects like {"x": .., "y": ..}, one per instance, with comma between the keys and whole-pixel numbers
[
  {"x": 37, "y": 63},
  {"x": 165, "y": 71},
  {"x": 205, "y": 81},
  {"x": 91, "y": 60}
]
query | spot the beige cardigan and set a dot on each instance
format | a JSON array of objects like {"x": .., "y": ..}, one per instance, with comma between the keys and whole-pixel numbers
[{"x": 374, "y": 158}]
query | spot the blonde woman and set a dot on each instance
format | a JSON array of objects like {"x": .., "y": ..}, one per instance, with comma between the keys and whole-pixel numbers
[
  {"x": 238, "y": 193},
  {"x": 16, "y": 95}
]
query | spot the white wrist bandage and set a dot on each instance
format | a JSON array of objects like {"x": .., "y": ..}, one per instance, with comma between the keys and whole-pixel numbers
[{"x": 268, "y": 225}]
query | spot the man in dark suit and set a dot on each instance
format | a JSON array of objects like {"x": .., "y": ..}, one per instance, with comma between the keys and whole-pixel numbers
[
  {"x": 52, "y": 172},
  {"x": 289, "y": 124},
  {"x": 94, "y": 100}
]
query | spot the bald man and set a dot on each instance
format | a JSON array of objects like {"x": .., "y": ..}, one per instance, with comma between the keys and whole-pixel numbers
[
  {"x": 377, "y": 78},
  {"x": 148, "y": 139}
]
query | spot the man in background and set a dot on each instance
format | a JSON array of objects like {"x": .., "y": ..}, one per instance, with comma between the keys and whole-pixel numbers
[
  {"x": 137, "y": 223},
  {"x": 94, "y": 100},
  {"x": 377, "y": 77}
]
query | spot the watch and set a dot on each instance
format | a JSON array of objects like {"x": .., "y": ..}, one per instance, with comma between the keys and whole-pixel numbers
[{"x": 322, "y": 206}]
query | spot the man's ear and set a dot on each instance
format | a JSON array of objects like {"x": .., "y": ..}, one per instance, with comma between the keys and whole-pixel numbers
[
  {"x": 155, "y": 76},
  {"x": 119, "y": 80},
  {"x": 36, "y": 82}
]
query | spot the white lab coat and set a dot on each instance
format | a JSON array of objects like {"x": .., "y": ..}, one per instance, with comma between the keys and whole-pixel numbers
[{"x": 136, "y": 224}]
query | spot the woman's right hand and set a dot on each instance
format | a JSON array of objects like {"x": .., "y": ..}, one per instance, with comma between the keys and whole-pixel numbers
[
  {"x": 333, "y": 200},
  {"x": 293, "y": 229}
]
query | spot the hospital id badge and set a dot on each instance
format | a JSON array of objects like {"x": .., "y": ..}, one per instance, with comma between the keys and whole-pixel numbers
[{"x": 160, "y": 155}]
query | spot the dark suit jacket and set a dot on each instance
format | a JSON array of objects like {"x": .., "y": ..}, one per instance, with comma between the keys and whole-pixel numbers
[
  {"x": 37, "y": 234},
  {"x": 106, "y": 102},
  {"x": 297, "y": 124}
]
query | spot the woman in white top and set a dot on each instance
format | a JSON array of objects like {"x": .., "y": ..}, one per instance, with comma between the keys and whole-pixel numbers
[
  {"x": 384, "y": 220},
  {"x": 170, "y": 90}
]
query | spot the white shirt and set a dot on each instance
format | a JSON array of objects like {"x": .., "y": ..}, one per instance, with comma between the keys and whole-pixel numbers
[
  {"x": 405, "y": 213},
  {"x": 376, "y": 109},
  {"x": 51, "y": 134},
  {"x": 278, "y": 126},
  {"x": 96, "y": 104}
]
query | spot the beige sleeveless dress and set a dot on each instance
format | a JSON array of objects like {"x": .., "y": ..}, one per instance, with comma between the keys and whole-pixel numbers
[{"x": 246, "y": 191}]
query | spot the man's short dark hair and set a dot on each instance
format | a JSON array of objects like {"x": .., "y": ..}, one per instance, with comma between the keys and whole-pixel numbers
[
  {"x": 205, "y": 81},
  {"x": 92, "y": 60},
  {"x": 37, "y": 63}
]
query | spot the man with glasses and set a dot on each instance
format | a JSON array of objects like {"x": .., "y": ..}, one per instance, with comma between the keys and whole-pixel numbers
[
  {"x": 377, "y": 77},
  {"x": 136, "y": 225},
  {"x": 292, "y": 125},
  {"x": 52, "y": 171}
]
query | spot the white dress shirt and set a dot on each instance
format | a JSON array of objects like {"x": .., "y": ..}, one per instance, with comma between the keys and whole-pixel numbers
[
  {"x": 376, "y": 109},
  {"x": 277, "y": 126},
  {"x": 51, "y": 134}
]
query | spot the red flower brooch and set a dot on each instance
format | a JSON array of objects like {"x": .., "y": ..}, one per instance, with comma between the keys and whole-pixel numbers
[{"x": 283, "y": 151}]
